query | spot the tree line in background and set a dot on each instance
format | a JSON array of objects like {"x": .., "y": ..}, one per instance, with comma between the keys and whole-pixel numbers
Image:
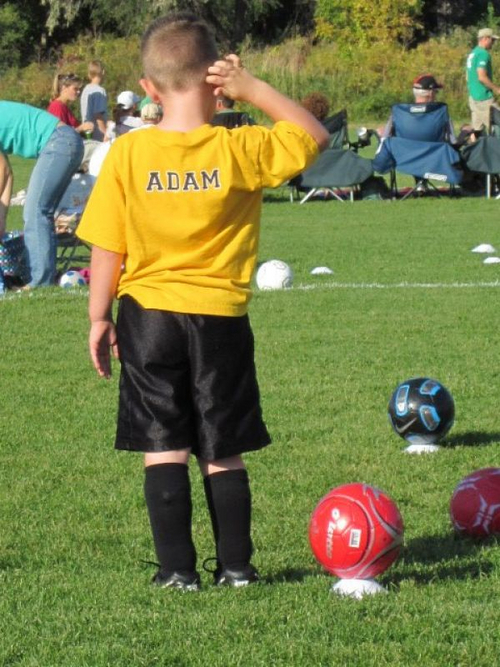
[{"x": 34, "y": 30}]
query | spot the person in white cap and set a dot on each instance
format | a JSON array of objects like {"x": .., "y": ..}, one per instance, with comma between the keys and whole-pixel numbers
[
  {"x": 124, "y": 115},
  {"x": 480, "y": 80}
]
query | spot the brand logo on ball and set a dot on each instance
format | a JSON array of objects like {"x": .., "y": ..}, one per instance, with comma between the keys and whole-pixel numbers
[{"x": 421, "y": 411}]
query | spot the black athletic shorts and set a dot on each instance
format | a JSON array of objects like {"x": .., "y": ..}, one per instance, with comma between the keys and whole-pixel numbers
[{"x": 187, "y": 381}]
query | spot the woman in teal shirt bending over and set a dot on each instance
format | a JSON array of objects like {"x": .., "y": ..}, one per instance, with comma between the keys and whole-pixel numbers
[{"x": 32, "y": 133}]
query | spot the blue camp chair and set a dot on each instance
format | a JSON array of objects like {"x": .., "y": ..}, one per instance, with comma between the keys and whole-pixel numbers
[{"x": 419, "y": 147}]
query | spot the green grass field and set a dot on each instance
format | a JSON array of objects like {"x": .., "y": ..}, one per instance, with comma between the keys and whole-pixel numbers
[{"x": 407, "y": 298}]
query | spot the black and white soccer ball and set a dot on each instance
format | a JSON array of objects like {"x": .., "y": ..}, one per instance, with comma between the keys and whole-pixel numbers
[
  {"x": 273, "y": 275},
  {"x": 421, "y": 411}
]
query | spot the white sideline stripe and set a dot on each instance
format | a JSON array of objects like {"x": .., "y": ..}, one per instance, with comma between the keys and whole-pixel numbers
[
  {"x": 83, "y": 292},
  {"x": 43, "y": 294},
  {"x": 404, "y": 285}
]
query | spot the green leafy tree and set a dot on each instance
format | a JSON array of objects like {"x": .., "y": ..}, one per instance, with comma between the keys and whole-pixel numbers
[
  {"x": 13, "y": 32},
  {"x": 233, "y": 20},
  {"x": 366, "y": 21},
  {"x": 62, "y": 12}
]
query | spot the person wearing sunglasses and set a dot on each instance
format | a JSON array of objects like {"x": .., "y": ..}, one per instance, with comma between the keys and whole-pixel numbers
[{"x": 65, "y": 90}]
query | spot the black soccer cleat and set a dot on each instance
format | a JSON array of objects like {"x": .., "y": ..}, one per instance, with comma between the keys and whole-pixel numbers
[
  {"x": 182, "y": 581},
  {"x": 236, "y": 577}
]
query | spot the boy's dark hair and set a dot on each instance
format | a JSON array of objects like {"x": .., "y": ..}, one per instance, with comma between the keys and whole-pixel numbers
[
  {"x": 176, "y": 50},
  {"x": 225, "y": 102}
]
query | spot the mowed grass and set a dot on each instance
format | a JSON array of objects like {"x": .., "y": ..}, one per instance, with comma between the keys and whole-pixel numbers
[{"x": 407, "y": 298}]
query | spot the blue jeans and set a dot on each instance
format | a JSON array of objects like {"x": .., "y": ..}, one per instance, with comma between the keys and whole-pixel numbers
[{"x": 51, "y": 175}]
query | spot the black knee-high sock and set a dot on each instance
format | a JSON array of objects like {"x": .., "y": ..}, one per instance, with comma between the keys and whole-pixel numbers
[
  {"x": 168, "y": 499},
  {"x": 230, "y": 505}
]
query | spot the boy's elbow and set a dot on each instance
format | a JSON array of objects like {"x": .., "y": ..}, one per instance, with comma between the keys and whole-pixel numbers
[{"x": 322, "y": 139}]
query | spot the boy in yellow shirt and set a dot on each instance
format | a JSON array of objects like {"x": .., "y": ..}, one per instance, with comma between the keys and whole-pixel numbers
[{"x": 179, "y": 207}]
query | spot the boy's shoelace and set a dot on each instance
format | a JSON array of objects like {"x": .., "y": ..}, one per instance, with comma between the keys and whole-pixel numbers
[{"x": 208, "y": 560}]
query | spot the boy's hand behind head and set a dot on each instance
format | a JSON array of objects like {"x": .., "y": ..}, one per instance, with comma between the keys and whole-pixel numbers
[{"x": 230, "y": 78}]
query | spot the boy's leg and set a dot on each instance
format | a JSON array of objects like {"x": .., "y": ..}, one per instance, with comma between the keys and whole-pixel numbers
[
  {"x": 168, "y": 498},
  {"x": 154, "y": 413},
  {"x": 229, "y": 501}
]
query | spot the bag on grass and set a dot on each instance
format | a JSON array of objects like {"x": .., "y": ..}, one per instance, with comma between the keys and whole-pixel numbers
[
  {"x": 374, "y": 188},
  {"x": 13, "y": 257}
]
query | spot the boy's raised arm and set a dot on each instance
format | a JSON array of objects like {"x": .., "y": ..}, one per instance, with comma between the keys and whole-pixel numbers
[{"x": 231, "y": 79}]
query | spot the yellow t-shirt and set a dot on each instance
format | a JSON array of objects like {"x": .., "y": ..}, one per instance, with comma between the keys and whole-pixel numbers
[{"x": 184, "y": 209}]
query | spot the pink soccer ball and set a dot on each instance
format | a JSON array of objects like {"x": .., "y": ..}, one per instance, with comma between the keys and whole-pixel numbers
[{"x": 475, "y": 504}]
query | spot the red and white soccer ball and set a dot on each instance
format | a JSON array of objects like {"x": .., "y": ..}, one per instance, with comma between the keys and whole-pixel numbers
[
  {"x": 356, "y": 531},
  {"x": 475, "y": 504}
]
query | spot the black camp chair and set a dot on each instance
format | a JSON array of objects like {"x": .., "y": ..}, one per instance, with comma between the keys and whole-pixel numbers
[
  {"x": 337, "y": 168},
  {"x": 483, "y": 155},
  {"x": 493, "y": 176},
  {"x": 231, "y": 119},
  {"x": 337, "y": 129},
  {"x": 72, "y": 252}
]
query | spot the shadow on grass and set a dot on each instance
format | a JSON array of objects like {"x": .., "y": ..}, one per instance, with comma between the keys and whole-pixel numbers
[
  {"x": 441, "y": 557},
  {"x": 290, "y": 576},
  {"x": 471, "y": 439}
]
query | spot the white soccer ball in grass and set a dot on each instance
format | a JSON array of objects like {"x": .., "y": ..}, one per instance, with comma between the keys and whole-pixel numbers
[
  {"x": 273, "y": 275},
  {"x": 72, "y": 279}
]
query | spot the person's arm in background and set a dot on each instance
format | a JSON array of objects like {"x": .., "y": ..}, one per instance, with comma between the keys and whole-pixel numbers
[
  {"x": 451, "y": 138},
  {"x": 6, "y": 184},
  {"x": 483, "y": 77},
  {"x": 100, "y": 122},
  {"x": 386, "y": 131}
]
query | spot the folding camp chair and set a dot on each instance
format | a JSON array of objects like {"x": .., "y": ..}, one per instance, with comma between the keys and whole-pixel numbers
[
  {"x": 333, "y": 170},
  {"x": 232, "y": 119},
  {"x": 483, "y": 157},
  {"x": 71, "y": 251},
  {"x": 419, "y": 147},
  {"x": 493, "y": 176},
  {"x": 337, "y": 129},
  {"x": 337, "y": 168}
]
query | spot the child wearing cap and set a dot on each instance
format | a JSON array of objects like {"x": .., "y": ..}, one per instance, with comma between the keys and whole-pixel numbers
[
  {"x": 125, "y": 116},
  {"x": 179, "y": 208},
  {"x": 151, "y": 113}
]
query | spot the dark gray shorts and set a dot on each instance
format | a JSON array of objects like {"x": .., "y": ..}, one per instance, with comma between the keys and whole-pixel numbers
[{"x": 187, "y": 381}]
